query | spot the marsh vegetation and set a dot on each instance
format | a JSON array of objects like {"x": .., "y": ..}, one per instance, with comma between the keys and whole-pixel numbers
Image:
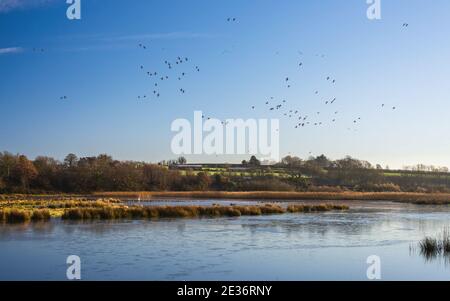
[
  {"x": 431, "y": 247},
  {"x": 43, "y": 210},
  {"x": 22, "y": 216},
  {"x": 142, "y": 212},
  {"x": 405, "y": 197}
]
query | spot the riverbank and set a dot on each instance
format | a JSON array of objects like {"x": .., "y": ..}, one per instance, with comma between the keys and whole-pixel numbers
[
  {"x": 23, "y": 211},
  {"x": 414, "y": 198}
]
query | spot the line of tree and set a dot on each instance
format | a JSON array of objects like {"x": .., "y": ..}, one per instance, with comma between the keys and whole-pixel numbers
[
  {"x": 361, "y": 175},
  {"x": 18, "y": 174}
]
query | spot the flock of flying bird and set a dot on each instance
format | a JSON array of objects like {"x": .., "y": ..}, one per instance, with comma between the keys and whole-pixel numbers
[
  {"x": 159, "y": 77},
  {"x": 301, "y": 120}
]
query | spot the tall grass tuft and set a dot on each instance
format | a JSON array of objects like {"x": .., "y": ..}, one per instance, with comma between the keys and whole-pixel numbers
[
  {"x": 446, "y": 241},
  {"x": 14, "y": 216},
  {"x": 431, "y": 247},
  {"x": 40, "y": 215}
]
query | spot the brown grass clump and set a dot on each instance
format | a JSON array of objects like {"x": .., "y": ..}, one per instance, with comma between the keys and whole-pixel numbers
[
  {"x": 315, "y": 208},
  {"x": 142, "y": 212},
  {"x": 12, "y": 216},
  {"x": 57, "y": 204},
  {"x": 40, "y": 215},
  {"x": 272, "y": 209}
]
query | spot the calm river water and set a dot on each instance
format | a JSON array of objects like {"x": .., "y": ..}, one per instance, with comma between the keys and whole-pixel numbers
[{"x": 322, "y": 246}]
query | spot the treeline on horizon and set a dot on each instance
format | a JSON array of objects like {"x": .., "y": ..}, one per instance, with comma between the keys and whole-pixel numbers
[{"x": 18, "y": 174}]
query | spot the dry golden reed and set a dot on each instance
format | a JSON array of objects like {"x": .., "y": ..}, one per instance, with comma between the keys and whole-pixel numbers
[
  {"x": 141, "y": 212},
  {"x": 407, "y": 197}
]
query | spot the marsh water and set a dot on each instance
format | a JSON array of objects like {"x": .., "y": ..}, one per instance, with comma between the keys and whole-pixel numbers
[{"x": 313, "y": 246}]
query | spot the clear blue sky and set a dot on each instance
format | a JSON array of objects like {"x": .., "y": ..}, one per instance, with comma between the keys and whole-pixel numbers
[{"x": 95, "y": 63}]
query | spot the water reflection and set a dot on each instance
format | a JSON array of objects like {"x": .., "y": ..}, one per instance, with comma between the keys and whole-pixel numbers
[{"x": 314, "y": 246}]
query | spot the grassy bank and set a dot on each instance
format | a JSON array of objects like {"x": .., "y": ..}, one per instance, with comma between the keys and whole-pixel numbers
[
  {"x": 22, "y": 211},
  {"x": 55, "y": 207},
  {"x": 415, "y": 198},
  {"x": 151, "y": 212}
]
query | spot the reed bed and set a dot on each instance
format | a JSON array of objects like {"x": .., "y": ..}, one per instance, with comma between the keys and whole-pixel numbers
[
  {"x": 431, "y": 247},
  {"x": 144, "y": 212},
  {"x": 54, "y": 207},
  {"x": 406, "y": 197},
  {"x": 58, "y": 204},
  {"x": 17, "y": 211},
  {"x": 12, "y": 216},
  {"x": 316, "y": 208},
  {"x": 15, "y": 197}
]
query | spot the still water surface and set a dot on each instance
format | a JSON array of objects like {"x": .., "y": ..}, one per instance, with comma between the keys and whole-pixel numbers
[{"x": 322, "y": 246}]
